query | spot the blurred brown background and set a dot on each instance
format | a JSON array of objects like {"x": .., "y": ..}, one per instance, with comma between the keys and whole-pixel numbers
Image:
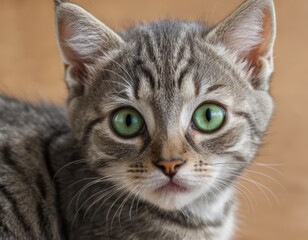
[{"x": 276, "y": 207}]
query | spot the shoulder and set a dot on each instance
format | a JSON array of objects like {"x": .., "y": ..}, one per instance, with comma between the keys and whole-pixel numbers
[
  {"x": 22, "y": 118},
  {"x": 21, "y": 113}
]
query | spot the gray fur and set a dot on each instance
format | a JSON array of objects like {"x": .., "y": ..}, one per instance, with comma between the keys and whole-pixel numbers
[{"x": 77, "y": 179}]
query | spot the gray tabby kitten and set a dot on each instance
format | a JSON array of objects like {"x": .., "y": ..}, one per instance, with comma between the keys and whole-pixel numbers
[{"x": 162, "y": 119}]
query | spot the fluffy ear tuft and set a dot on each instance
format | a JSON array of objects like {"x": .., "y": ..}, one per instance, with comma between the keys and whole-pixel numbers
[
  {"x": 82, "y": 39},
  {"x": 250, "y": 32},
  {"x": 58, "y": 2}
]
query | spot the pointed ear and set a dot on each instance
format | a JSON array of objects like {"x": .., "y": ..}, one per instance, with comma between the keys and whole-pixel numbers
[
  {"x": 82, "y": 39},
  {"x": 250, "y": 32}
]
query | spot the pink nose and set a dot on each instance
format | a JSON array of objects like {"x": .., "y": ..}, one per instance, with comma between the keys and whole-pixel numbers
[{"x": 169, "y": 168}]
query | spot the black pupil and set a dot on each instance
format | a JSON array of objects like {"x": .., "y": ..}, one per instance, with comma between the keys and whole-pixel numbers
[
  {"x": 129, "y": 120},
  {"x": 208, "y": 115}
]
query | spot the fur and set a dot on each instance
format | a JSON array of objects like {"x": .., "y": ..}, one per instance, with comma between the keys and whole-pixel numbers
[{"x": 75, "y": 178}]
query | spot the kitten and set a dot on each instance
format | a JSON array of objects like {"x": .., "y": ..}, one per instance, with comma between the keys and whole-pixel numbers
[{"x": 163, "y": 118}]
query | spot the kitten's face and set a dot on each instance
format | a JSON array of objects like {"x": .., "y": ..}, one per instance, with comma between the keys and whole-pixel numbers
[{"x": 198, "y": 116}]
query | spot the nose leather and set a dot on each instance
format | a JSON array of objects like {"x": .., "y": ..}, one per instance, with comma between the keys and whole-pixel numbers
[{"x": 169, "y": 168}]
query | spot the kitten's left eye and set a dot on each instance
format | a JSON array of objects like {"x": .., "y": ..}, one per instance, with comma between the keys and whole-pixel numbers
[
  {"x": 127, "y": 122},
  {"x": 209, "y": 117}
]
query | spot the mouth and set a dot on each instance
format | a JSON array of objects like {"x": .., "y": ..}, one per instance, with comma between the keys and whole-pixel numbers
[{"x": 172, "y": 187}]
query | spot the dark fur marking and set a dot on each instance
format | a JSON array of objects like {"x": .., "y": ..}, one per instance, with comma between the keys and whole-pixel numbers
[
  {"x": 43, "y": 222},
  {"x": 41, "y": 185},
  {"x": 137, "y": 171},
  {"x": 180, "y": 54},
  {"x": 191, "y": 142},
  {"x": 89, "y": 127},
  {"x": 182, "y": 75},
  {"x": 62, "y": 224},
  {"x": 179, "y": 219},
  {"x": 149, "y": 48},
  {"x": 214, "y": 88},
  {"x": 239, "y": 158},
  {"x": 6, "y": 231},
  {"x": 108, "y": 147},
  {"x": 137, "y": 88},
  {"x": 220, "y": 143},
  {"x": 16, "y": 211},
  {"x": 148, "y": 74},
  {"x": 147, "y": 142},
  {"x": 191, "y": 46},
  {"x": 10, "y": 161},
  {"x": 228, "y": 206},
  {"x": 197, "y": 85},
  {"x": 184, "y": 71},
  {"x": 251, "y": 123}
]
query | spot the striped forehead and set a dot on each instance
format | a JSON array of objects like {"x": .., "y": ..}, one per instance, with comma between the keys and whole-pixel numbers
[{"x": 161, "y": 64}]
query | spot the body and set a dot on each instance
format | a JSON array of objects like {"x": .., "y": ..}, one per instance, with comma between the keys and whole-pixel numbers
[{"x": 161, "y": 120}]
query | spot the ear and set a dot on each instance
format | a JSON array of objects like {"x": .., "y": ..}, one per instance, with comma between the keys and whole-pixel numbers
[
  {"x": 82, "y": 39},
  {"x": 250, "y": 32}
]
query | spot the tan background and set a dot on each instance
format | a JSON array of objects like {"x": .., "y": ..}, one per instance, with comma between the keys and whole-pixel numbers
[{"x": 30, "y": 67}]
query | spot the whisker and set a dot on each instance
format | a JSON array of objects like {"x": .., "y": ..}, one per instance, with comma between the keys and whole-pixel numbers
[
  {"x": 260, "y": 186},
  {"x": 66, "y": 165},
  {"x": 81, "y": 180},
  {"x": 130, "y": 193},
  {"x": 269, "y": 177}
]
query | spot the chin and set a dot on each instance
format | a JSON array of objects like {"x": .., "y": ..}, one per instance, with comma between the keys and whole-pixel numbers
[{"x": 170, "y": 199}]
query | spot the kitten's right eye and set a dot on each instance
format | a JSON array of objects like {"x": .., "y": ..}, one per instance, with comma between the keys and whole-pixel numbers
[{"x": 127, "y": 123}]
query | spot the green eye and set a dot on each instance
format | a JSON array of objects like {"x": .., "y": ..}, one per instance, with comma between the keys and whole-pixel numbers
[
  {"x": 127, "y": 122},
  {"x": 209, "y": 117}
]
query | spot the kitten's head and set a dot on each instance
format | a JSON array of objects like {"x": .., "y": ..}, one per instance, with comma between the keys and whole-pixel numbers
[{"x": 170, "y": 110}]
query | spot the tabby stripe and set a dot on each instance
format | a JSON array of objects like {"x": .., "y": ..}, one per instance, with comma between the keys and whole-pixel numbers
[
  {"x": 239, "y": 158},
  {"x": 148, "y": 74},
  {"x": 214, "y": 224},
  {"x": 176, "y": 219},
  {"x": 43, "y": 221},
  {"x": 135, "y": 67},
  {"x": 214, "y": 88},
  {"x": 191, "y": 142},
  {"x": 15, "y": 209},
  {"x": 8, "y": 159},
  {"x": 40, "y": 183},
  {"x": 147, "y": 142},
  {"x": 89, "y": 127},
  {"x": 197, "y": 84},
  {"x": 191, "y": 46},
  {"x": 184, "y": 72},
  {"x": 228, "y": 206},
  {"x": 46, "y": 148},
  {"x": 5, "y": 230},
  {"x": 179, "y": 219},
  {"x": 180, "y": 54},
  {"x": 137, "y": 88},
  {"x": 220, "y": 143},
  {"x": 139, "y": 50},
  {"x": 149, "y": 48},
  {"x": 62, "y": 224},
  {"x": 108, "y": 148},
  {"x": 251, "y": 123}
]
